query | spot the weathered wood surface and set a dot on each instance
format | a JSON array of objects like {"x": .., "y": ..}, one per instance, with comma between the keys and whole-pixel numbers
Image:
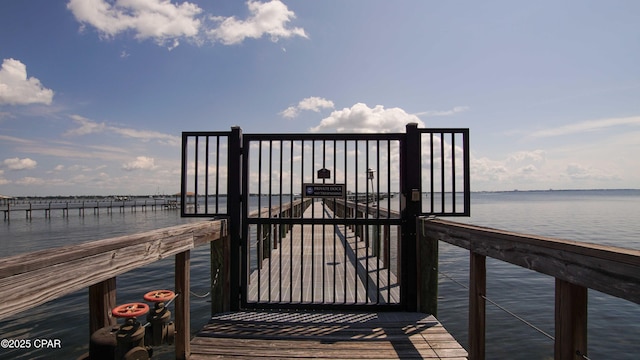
[
  {"x": 277, "y": 211},
  {"x": 102, "y": 298},
  {"x": 328, "y": 335},
  {"x": 183, "y": 307},
  {"x": 28, "y": 280},
  {"x": 363, "y": 208},
  {"x": 571, "y": 321},
  {"x": 323, "y": 264},
  {"x": 611, "y": 270}
]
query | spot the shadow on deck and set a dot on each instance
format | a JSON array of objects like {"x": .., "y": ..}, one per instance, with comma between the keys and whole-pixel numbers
[{"x": 325, "y": 334}]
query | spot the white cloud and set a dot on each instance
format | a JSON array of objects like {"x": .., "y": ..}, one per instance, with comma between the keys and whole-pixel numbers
[
  {"x": 88, "y": 126},
  {"x": 269, "y": 19},
  {"x": 527, "y": 156},
  {"x": 581, "y": 172},
  {"x": 18, "y": 89},
  {"x": 20, "y": 164},
  {"x": 31, "y": 181},
  {"x": 585, "y": 126},
  {"x": 313, "y": 103},
  {"x": 160, "y": 20},
  {"x": 455, "y": 110},
  {"x": 168, "y": 23},
  {"x": 140, "y": 163},
  {"x": 361, "y": 118}
]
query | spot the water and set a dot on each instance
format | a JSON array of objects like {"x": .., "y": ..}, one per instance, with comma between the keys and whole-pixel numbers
[{"x": 605, "y": 217}]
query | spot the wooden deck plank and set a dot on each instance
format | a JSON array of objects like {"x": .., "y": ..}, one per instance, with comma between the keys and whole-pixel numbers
[
  {"x": 322, "y": 264},
  {"x": 324, "y": 334}
]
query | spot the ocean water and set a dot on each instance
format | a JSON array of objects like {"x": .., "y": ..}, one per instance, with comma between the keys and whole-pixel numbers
[{"x": 606, "y": 217}]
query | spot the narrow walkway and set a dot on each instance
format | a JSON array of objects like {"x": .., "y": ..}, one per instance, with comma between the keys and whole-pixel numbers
[
  {"x": 325, "y": 335},
  {"x": 323, "y": 264}
]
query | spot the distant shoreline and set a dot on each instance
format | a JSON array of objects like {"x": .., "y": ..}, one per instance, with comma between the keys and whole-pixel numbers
[{"x": 116, "y": 197}]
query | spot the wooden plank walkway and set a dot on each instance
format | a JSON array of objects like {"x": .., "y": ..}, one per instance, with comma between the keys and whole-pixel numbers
[
  {"x": 305, "y": 268},
  {"x": 323, "y": 264},
  {"x": 325, "y": 335}
]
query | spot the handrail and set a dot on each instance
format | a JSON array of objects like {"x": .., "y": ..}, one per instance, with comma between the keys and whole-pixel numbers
[
  {"x": 31, "y": 279},
  {"x": 577, "y": 266},
  {"x": 278, "y": 210}
]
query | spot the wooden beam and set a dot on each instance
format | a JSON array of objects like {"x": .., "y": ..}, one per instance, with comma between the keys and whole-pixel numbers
[
  {"x": 183, "y": 315},
  {"x": 477, "y": 291},
  {"x": 102, "y": 298},
  {"x": 31, "y": 279},
  {"x": 611, "y": 270},
  {"x": 571, "y": 321},
  {"x": 220, "y": 268},
  {"x": 427, "y": 273}
]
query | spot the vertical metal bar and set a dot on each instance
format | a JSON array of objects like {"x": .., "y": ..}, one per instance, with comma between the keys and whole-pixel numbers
[
  {"x": 431, "y": 173},
  {"x": 236, "y": 207},
  {"x": 335, "y": 263},
  {"x": 442, "y": 167},
  {"x": 280, "y": 227},
  {"x": 183, "y": 178},
  {"x": 357, "y": 227},
  {"x": 260, "y": 255},
  {"x": 324, "y": 262},
  {"x": 270, "y": 236},
  {"x": 291, "y": 232},
  {"x": 366, "y": 226},
  {"x": 195, "y": 189},
  {"x": 387, "y": 236},
  {"x": 313, "y": 232},
  {"x": 346, "y": 215},
  {"x": 218, "y": 174},
  {"x": 206, "y": 176},
  {"x": 467, "y": 173},
  {"x": 378, "y": 228},
  {"x": 301, "y": 225},
  {"x": 411, "y": 182},
  {"x": 453, "y": 171}
]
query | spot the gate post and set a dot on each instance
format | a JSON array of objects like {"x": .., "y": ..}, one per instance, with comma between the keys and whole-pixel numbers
[
  {"x": 234, "y": 209},
  {"x": 410, "y": 208}
]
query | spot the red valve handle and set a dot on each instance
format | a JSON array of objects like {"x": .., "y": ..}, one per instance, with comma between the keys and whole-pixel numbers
[
  {"x": 130, "y": 310},
  {"x": 159, "y": 295}
]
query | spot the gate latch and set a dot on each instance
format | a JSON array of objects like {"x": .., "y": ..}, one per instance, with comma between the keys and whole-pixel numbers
[{"x": 415, "y": 195}]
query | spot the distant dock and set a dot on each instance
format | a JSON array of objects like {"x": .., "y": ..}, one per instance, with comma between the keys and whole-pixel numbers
[{"x": 29, "y": 207}]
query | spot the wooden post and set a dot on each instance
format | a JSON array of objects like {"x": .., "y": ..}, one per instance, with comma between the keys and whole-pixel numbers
[
  {"x": 220, "y": 275},
  {"x": 571, "y": 320},
  {"x": 427, "y": 272},
  {"x": 102, "y": 298},
  {"x": 477, "y": 289},
  {"x": 182, "y": 308}
]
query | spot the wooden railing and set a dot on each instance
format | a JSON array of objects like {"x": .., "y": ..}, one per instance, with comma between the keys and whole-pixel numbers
[
  {"x": 31, "y": 279},
  {"x": 576, "y": 266},
  {"x": 269, "y": 233}
]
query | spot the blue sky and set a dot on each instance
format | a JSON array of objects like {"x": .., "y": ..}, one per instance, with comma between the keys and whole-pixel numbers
[{"x": 94, "y": 94}]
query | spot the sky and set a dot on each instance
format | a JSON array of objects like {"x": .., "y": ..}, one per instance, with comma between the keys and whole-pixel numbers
[{"x": 94, "y": 94}]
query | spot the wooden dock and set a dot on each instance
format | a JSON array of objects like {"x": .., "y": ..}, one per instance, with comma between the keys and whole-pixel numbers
[
  {"x": 325, "y": 335},
  {"x": 319, "y": 265},
  {"x": 323, "y": 264},
  {"x": 97, "y": 206}
]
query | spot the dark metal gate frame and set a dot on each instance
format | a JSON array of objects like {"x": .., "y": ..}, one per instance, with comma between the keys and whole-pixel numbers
[{"x": 411, "y": 192}]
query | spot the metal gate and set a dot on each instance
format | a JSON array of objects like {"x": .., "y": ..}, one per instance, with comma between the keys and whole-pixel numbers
[{"x": 325, "y": 220}]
